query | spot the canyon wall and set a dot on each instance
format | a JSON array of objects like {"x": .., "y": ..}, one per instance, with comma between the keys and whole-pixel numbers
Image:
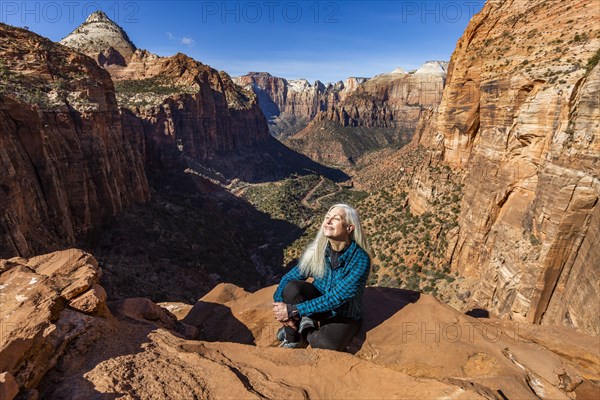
[
  {"x": 182, "y": 102},
  {"x": 75, "y": 137},
  {"x": 520, "y": 119},
  {"x": 66, "y": 164},
  {"x": 289, "y": 105},
  {"x": 389, "y": 100},
  {"x": 382, "y": 112}
]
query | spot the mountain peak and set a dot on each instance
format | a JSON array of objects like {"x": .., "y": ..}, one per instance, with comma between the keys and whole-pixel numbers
[
  {"x": 98, "y": 16},
  {"x": 102, "y": 39}
]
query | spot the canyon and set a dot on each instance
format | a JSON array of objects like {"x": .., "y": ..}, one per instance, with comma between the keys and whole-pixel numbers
[
  {"x": 477, "y": 181},
  {"x": 349, "y": 118}
]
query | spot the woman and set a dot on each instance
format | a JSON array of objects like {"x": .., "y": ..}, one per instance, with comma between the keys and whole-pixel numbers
[{"x": 326, "y": 313}]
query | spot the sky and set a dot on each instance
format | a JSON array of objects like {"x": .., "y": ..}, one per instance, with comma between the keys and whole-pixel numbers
[{"x": 314, "y": 40}]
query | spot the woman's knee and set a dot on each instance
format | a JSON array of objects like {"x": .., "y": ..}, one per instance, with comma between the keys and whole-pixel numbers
[{"x": 291, "y": 292}]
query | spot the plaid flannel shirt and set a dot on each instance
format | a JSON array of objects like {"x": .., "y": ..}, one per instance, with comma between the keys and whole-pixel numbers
[{"x": 342, "y": 287}]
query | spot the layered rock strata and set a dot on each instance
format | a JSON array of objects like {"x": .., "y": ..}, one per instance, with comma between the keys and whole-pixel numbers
[
  {"x": 382, "y": 112},
  {"x": 181, "y": 102},
  {"x": 520, "y": 119},
  {"x": 290, "y": 105},
  {"x": 66, "y": 164}
]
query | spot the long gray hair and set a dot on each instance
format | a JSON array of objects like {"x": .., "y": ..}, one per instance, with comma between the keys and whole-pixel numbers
[{"x": 312, "y": 261}]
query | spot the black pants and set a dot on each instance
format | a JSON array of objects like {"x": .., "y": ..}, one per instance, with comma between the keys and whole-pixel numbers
[{"x": 334, "y": 332}]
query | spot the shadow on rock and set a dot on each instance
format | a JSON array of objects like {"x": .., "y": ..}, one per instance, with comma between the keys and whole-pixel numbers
[
  {"x": 380, "y": 304},
  {"x": 478, "y": 313},
  {"x": 107, "y": 346},
  {"x": 216, "y": 323}
]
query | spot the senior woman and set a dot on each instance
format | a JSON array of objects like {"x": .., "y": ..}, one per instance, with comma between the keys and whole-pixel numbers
[{"x": 326, "y": 313}]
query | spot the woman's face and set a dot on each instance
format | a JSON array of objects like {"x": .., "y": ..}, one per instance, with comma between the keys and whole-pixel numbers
[{"x": 334, "y": 226}]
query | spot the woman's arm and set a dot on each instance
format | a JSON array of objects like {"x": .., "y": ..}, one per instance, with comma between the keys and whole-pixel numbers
[
  {"x": 293, "y": 275},
  {"x": 342, "y": 291}
]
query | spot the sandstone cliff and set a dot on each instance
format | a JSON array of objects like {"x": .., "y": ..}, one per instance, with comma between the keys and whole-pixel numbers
[
  {"x": 520, "y": 120},
  {"x": 182, "y": 102},
  {"x": 66, "y": 164},
  {"x": 382, "y": 112},
  {"x": 175, "y": 102},
  {"x": 63, "y": 340},
  {"x": 290, "y": 105}
]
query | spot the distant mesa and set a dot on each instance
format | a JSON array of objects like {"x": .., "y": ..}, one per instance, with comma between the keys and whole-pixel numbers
[
  {"x": 433, "y": 67},
  {"x": 102, "y": 39}
]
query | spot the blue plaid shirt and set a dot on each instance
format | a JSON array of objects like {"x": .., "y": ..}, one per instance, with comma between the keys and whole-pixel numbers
[{"x": 342, "y": 287}]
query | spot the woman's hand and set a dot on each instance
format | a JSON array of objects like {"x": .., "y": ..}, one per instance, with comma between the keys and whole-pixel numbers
[
  {"x": 280, "y": 312},
  {"x": 290, "y": 323}
]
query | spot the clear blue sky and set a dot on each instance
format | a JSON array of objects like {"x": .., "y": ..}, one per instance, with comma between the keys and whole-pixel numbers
[{"x": 324, "y": 40}]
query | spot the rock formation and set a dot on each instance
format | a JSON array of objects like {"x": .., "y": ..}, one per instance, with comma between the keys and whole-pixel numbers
[
  {"x": 182, "y": 102},
  {"x": 387, "y": 100},
  {"x": 175, "y": 102},
  {"x": 381, "y": 112},
  {"x": 65, "y": 341},
  {"x": 391, "y": 100},
  {"x": 66, "y": 164},
  {"x": 520, "y": 119},
  {"x": 53, "y": 308},
  {"x": 290, "y": 105},
  {"x": 73, "y": 158},
  {"x": 101, "y": 39}
]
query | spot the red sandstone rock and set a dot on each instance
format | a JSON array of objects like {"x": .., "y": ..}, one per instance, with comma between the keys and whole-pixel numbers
[
  {"x": 67, "y": 165},
  {"x": 8, "y": 386},
  {"x": 92, "y": 302},
  {"x": 409, "y": 347},
  {"x": 520, "y": 119},
  {"x": 36, "y": 327}
]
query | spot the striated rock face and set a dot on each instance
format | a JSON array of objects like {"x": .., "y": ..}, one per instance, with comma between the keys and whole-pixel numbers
[
  {"x": 101, "y": 39},
  {"x": 391, "y": 100},
  {"x": 66, "y": 164},
  {"x": 520, "y": 118},
  {"x": 382, "y": 112},
  {"x": 291, "y": 105},
  {"x": 182, "y": 102}
]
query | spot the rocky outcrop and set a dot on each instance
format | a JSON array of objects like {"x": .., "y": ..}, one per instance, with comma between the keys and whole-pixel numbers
[
  {"x": 519, "y": 118},
  {"x": 103, "y": 40},
  {"x": 39, "y": 313},
  {"x": 382, "y": 112},
  {"x": 410, "y": 346},
  {"x": 52, "y": 308},
  {"x": 184, "y": 104},
  {"x": 290, "y": 105},
  {"x": 66, "y": 164}
]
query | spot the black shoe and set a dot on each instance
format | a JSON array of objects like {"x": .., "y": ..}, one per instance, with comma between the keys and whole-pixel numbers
[
  {"x": 294, "y": 345},
  {"x": 306, "y": 325},
  {"x": 281, "y": 334}
]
